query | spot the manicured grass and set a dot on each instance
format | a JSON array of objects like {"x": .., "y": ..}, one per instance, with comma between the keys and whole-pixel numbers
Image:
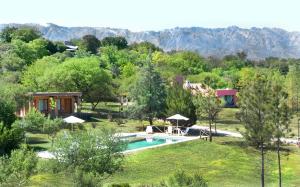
[
  {"x": 227, "y": 120},
  {"x": 225, "y": 162}
]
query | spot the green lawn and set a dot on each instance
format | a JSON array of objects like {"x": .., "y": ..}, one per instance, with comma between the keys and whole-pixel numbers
[
  {"x": 224, "y": 162},
  {"x": 227, "y": 120}
]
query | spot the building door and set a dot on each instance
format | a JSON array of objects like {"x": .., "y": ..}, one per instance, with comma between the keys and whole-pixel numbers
[{"x": 68, "y": 106}]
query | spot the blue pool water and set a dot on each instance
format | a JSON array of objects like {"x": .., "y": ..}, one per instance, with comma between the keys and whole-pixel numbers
[{"x": 148, "y": 142}]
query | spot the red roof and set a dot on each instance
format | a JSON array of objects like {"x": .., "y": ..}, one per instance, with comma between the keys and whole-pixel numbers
[{"x": 223, "y": 92}]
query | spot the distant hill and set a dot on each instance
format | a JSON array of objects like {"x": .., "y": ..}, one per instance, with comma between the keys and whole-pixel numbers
[{"x": 258, "y": 43}]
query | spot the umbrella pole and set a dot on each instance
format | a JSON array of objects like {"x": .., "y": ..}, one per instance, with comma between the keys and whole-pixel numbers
[{"x": 177, "y": 129}]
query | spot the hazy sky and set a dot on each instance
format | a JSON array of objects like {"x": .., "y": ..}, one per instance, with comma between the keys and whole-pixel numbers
[{"x": 139, "y": 15}]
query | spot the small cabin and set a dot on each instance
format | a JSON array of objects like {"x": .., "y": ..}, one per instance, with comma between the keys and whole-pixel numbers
[
  {"x": 229, "y": 97},
  {"x": 52, "y": 103}
]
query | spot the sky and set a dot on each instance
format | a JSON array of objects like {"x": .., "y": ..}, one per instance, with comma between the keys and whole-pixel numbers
[{"x": 141, "y": 15}]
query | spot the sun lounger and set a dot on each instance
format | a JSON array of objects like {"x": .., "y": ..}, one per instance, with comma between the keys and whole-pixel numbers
[
  {"x": 149, "y": 130},
  {"x": 169, "y": 130}
]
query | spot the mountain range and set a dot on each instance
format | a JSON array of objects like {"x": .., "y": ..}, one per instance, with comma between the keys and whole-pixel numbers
[{"x": 258, "y": 43}]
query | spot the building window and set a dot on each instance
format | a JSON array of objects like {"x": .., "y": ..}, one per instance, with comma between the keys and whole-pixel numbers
[
  {"x": 43, "y": 105},
  {"x": 58, "y": 104}
]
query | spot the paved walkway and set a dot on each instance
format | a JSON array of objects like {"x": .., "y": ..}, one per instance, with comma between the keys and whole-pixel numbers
[{"x": 239, "y": 135}]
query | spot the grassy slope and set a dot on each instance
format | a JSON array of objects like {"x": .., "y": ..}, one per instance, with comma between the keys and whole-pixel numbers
[{"x": 225, "y": 162}]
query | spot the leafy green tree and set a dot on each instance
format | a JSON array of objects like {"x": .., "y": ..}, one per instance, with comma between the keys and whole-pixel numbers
[
  {"x": 26, "y": 34},
  {"x": 16, "y": 169},
  {"x": 84, "y": 75},
  {"x": 118, "y": 41},
  {"x": 36, "y": 78},
  {"x": 255, "y": 100},
  {"x": 32, "y": 50},
  {"x": 180, "y": 101},
  {"x": 54, "y": 47},
  {"x": 6, "y": 34},
  {"x": 208, "y": 105},
  {"x": 90, "y": 43},
  {"x": 188, "y": 62},
  {"x": 144, "y": 47},
  {"x": 293, "y": 86},
  {"x": 10, "y": 61},
  {"x": 211, "y": 79},
  {"x": 149, "y": 93}
]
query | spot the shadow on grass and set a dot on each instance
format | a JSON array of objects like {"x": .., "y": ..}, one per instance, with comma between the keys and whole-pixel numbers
[
  {"x": 38, "y": 148},
  {"x": 235, "y": 143},
  {"x": 36, "y": 140},
  {"x": 229, "y": 122}
]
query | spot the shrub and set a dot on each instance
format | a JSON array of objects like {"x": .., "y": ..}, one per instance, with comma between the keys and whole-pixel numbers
[
  {"x": 34, "y": 121},
  {"x": 16, "y": 169},
  {"x": 97, "y": 151},
  {"x": 181, "y": 179}
]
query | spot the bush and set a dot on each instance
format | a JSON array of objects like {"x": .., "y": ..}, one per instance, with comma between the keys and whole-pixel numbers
[
  {"x": 34, "y": 121},
  {"x": 181, "y": 179},
  {"x": 16, "y": 169},
  {"x": 10, "y": 137},
  {"x": 97, "y": 151},
  {"x": 87, "y": 179}
]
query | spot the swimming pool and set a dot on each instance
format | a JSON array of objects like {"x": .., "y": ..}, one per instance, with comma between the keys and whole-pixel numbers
[{"x": 147, "y": 142}]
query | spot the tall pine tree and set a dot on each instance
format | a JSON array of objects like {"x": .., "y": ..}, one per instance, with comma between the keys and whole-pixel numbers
[
  {"x": 148, "y": 93},
  {"x": 255, "y": 105}
]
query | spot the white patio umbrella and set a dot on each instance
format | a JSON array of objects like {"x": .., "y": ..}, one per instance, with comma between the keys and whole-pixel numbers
[
  {"x": 178, "y": 117},
  {"x": 72, "y": 120}
]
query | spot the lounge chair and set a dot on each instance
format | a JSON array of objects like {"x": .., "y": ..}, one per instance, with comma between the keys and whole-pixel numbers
[
  {"x": 184, "y": 133},
  {"x": 149, "y": 130},
  {"x": 169, "y": 130}
]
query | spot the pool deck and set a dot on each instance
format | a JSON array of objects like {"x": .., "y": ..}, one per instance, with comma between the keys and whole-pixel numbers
[{"x": 179, "y": 139}]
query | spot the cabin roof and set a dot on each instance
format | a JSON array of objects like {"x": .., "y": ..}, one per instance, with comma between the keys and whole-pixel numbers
[{"x": 79, "y": 94}]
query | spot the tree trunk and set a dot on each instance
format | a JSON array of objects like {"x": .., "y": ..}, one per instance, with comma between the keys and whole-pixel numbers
[
  {"x": 262, "y": 165},
  {"x": 215, "y": 128},
  {"x": 210, "y": 135},
  {"x": 279, "y": 163},
  {"x": 150, "y": 121}
]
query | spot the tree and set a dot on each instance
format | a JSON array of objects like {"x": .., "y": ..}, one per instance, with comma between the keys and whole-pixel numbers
[
  {"x": 148, "y": 93},
  {"x": 256, "y": 115},
  {"x": 180, "y": 101},
  {"x": 84, "y": 75},
  {"x": 6, "y": 34},
  {"x": 144, "y": 47},
  {"x": 293, "y": 86},
  {"x": 90, "y": 43},
  {"x": 207, "y": 104},
  {"x": 118, "y": 41},
  {"x": 36, "y": 78},
  {"x": 26, "y": 34},
  {"x": 280, "y": 114}
]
